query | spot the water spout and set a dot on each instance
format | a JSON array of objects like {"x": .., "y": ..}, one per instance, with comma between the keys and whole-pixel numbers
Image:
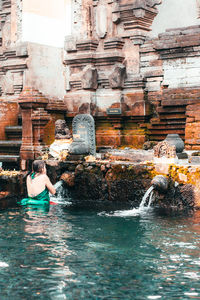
[
  {"x": 160, "y": 183},
  {"x": 149, "y": 193}
]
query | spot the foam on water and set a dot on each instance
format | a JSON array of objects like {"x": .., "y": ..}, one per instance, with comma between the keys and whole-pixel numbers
[{"x": 3, "y": 264}]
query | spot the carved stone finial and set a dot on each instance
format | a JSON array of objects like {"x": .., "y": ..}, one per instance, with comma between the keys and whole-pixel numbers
[{"x": 164, "y": 149}]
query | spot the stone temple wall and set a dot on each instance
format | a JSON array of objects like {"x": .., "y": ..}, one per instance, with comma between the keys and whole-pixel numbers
[
  {"x": 102, "y": 69},
  {"x": 13, "y": 63},
  {"x": 136, "y": 85},
  {"x": 170, "y": 67}
]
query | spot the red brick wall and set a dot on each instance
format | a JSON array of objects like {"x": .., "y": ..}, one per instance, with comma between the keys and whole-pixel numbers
[{"x": 8, "y": 116}]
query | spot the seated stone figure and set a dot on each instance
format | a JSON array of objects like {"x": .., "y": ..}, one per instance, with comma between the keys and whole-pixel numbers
[
  {"x": 62, "y": 140},
  {"x": 61, "y": 130}
]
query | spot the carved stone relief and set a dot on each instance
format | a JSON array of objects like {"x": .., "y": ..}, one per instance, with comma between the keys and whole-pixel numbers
[
  {"x": 117, "y": 77},
  {"x": 101, "y": 20},
  {"x": 89, "y": 78},
  {"x": 83, "y": 128},
  {"x": 6, "y": 33},
  {"x": 7, "y": 83},
  {"x": 164, "y": 149}
]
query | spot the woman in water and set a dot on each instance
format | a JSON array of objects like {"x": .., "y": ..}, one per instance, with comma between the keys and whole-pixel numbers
[{"x": 38, "y": 185}]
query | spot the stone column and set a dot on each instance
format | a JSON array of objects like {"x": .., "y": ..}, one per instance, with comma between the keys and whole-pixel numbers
[
  {"x": 39, "y": 119},
  {"x": 29, "y": 100}
]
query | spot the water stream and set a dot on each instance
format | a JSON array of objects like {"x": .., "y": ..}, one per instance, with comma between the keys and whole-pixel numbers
[{"x": 144, "y": 207}]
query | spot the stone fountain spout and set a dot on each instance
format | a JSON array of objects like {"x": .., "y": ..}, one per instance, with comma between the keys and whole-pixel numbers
[{"x": 160, "y": 183}]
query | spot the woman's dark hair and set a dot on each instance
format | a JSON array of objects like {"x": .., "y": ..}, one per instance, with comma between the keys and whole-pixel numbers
[{"x": 38, "y": 165}]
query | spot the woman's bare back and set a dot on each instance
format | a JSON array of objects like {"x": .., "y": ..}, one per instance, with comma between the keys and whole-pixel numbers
[{"x": 36, "y": 185}]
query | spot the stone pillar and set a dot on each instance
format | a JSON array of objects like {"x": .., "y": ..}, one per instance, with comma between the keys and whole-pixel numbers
[
  {"x": 39, "y": 119},
  {"x": 29, "y": 101}
]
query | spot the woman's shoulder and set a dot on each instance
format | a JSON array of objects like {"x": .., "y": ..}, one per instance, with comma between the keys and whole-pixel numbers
[{"x": 43, "y": 176}]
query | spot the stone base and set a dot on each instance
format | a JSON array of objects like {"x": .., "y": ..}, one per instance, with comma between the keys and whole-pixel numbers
[
  {"x": 75, "y": 157},
  {"x": 195, "y": 160},
  {"x": 165, "y": 160},
  {"x": 182, "y": 155}
]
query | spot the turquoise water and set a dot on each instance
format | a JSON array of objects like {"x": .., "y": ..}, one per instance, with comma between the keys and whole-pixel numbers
[{"x": 79, "y": 253}]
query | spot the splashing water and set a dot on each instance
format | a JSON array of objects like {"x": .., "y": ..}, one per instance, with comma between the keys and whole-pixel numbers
[
  {"x": 62, "y": 195},
  {"x": 142, "y": 209}
]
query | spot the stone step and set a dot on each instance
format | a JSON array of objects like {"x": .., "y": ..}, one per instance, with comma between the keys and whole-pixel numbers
[
  {"x": 168, "y": 122},
  {"x": 167, "y": 131},
  {"x": 179, "y": 102},
  {"x": 169, "y": 110},
  {"x": 161, "y": 137},
  {"x": 9, "y": 158},
  {"x": 166, "y": 126},
  {"x": 10, "y": 147},
  {"x": 13, "y": 132},
  {"x": 172, "y": 116}
]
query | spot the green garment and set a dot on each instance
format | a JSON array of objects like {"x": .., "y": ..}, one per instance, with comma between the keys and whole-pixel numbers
[{"x": 40, "y": 199}]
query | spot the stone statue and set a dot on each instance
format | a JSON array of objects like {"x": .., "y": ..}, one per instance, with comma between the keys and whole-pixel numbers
[
  {"x": 60, "y": 147},
  {"x": 61, "y": 130}
]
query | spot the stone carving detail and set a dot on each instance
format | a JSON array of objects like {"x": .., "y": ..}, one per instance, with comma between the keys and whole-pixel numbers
[
  {"x": 83, "y": 135},
  {"x": 164, "y": 149},
  {"x": 117, "y": 77},
  {"x": 79, "y": 147},
  {"x": 6, "y": 32},
  {"x": 89, "y": 78},
  {"x": 152, "y": 3},
  {"x": 61, "y": 130},
  {"x": 116, "y": 13},
  {"x": 60, "y": 147},
  {"x": 101, "y": 20},
  {"x": 70, "y": 44},
  {"x": 7, "y": 84}
]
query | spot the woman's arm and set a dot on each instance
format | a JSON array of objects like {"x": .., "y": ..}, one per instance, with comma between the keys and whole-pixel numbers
[{"x": 50, "y": 186}]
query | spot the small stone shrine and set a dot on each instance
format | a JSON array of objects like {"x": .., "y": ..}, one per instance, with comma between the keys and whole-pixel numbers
[{"x": 83, "y": 128}]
